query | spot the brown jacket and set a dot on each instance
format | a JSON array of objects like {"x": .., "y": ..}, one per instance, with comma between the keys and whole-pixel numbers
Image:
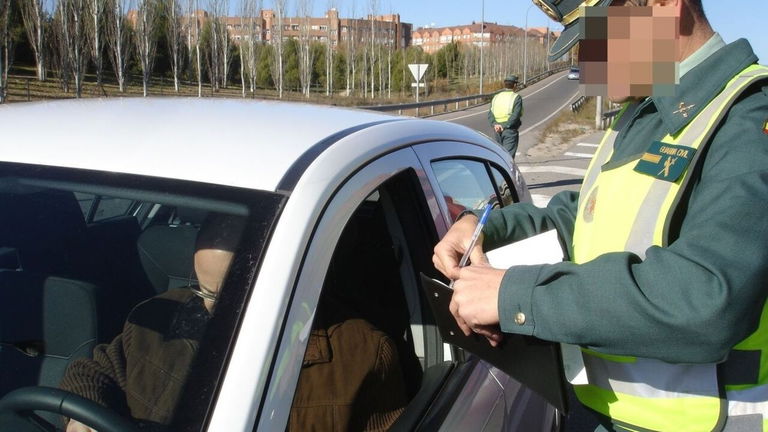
[{"x": 350, "y": 379}]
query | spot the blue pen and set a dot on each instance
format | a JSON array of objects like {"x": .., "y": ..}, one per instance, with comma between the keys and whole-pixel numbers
[{"x": 475, "y": 236}]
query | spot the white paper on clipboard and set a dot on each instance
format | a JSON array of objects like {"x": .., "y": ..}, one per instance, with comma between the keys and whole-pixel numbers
[{"x": 542, "y": 248}]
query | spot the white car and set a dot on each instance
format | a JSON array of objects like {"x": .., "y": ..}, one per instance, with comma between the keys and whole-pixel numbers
[{"x": 101, "y": 202}]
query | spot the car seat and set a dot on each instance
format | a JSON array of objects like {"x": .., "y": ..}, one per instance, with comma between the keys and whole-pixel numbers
[{"x": 166, "y": 254}]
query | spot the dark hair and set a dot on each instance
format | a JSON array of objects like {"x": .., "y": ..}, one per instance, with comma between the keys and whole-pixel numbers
[
  {"x": 697, "y": 8},
  {"x": 220, "y": 231}
]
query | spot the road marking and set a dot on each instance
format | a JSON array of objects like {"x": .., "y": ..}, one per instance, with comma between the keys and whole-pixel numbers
[
  {"x": 556, "y": 112},
  {"x": 587, "y": 145},
  {"x": 581, "y": 155},
  {"x": 579, "y": 172},
  {"x": 525, "y": 96},
  {"x": 553, "y": 81},
  {"x": 540, "y": 200},
  {"x": 485, "y": 111}
]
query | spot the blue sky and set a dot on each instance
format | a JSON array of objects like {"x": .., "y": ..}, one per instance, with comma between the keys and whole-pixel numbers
[{"x": 734, "y": 19}]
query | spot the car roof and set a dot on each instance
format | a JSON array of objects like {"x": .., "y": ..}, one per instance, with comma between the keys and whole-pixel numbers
[{"x": 219, "y": 141}]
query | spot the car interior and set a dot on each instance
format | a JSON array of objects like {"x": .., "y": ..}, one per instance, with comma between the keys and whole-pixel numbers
[{"x": 75, "y": 258}]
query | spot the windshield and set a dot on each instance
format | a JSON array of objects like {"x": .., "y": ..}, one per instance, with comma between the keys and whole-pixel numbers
[{"x": 111, "y": 284}]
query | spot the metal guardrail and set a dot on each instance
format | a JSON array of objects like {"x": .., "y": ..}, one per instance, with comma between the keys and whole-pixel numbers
[
  {"x": 608, "y": 117},
  {"x": 576, "y": 105},
  {"x": 456, "y": 101}
]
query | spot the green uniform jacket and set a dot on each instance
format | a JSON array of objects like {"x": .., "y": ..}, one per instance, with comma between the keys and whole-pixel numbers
[{"x": 691, "y": 301}]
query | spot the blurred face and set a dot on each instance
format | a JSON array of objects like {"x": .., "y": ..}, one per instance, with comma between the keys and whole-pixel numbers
[
  {"x": 211, "y": 267},
  {"x": 630, "y": 50}
]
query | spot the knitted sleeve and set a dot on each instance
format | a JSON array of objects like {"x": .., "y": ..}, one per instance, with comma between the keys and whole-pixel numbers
[
  {"x": 103, "y": 378},
  {"x": 386, "y": 391}
]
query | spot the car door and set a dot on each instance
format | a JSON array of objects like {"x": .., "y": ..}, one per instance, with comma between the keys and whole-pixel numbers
[
  {"x": 467, "y": 178},
  {"x": 372, "y": 240}
]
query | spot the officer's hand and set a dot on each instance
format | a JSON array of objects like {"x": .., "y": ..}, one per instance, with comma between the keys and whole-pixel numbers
[
  {"x": 449, "y": 250},
  {"x": 76, "y": 426},
  {"x": 498, "y": 128},
  {"x": 475, "y": 301}
]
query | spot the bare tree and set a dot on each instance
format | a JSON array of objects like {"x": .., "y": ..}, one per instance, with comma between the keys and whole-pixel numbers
[
  {"x": 6, "y": 47},
  {"x": 277, "y": 41},
  {"x": 392, "y": 43},
  {"x": 69, "y": 22},
  {"x": 193, "y": 42},
  {"x": 118, "y": 36},
  {"x": 329, "y": 48},
  {"x": 305, "y": 46},
  {"x": 351, "y": 50},
  {"x": 373, "y": 8},
  {"x": 33, "y": 15},
  {"x": 214, "y": 53},
  {"x": 146, "y": 39},
  {"x": 224, "y": 43},
  {"x": 174, "y": 30},
  {"x": 250, "y": 22},
  {"x": 95, "y": 28}
]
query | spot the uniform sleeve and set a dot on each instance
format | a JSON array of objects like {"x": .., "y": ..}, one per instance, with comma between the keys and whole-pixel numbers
[
  {"x": 491, "y": 117},
  {"x": 522, "y": 220},
  {"x": 689, "y": 302}
]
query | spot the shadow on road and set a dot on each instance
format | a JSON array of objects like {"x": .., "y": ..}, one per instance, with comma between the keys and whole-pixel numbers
[{"x": 568, "y": 182}]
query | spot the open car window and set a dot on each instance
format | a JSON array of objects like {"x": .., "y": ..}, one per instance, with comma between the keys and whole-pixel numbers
[{"x": 98, "y": 284}]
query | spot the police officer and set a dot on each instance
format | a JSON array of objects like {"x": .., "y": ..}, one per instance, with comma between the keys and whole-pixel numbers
[
  {"x": 504, "y": 115},
  {"x": 664, "y": 284}
]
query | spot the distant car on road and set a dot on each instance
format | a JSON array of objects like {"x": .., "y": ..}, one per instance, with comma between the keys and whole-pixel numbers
[
  {"x": 574, "y": 73},
  {"x": 102, "y": 201}
]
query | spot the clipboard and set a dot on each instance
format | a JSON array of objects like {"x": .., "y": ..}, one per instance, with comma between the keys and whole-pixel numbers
[{"x": 535, "y": 363}]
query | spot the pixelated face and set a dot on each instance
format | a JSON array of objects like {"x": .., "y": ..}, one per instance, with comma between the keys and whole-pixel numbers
[{"x": 629, "y": 50}]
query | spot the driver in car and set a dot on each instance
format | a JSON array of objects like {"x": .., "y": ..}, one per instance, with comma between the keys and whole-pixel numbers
[{"x": 142, "y": 372}]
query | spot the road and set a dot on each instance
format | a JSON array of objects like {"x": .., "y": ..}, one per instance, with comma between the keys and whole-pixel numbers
[{"x": 548, "y": 168}]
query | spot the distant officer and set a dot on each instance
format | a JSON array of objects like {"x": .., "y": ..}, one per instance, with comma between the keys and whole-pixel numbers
[{"x": 504, "y": 115}]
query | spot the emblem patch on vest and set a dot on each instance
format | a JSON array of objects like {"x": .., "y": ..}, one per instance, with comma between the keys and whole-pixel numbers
[
  {"x": 665, "y": 161},
  {"x": 589, "y": 208},
  {"x": 765, "y": 127}
]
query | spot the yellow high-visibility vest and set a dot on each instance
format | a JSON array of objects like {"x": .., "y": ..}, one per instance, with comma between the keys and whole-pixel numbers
[
  {"x": 502, "y": 105},
  {"x": 647, "y": 394}
]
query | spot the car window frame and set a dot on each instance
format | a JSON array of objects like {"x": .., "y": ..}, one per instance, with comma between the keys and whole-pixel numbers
[{"x": 314, "y": 266}]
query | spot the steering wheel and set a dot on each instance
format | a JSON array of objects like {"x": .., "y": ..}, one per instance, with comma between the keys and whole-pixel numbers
[{"x": 25, "y": 400}]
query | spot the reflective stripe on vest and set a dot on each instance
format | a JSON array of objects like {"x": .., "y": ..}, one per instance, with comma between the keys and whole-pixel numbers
[
  {"x": 502, "y": 105},
  {"x": 648, "y": 394}
]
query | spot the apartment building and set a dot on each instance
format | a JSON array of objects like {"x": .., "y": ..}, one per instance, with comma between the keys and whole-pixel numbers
[
  {"x": 386, "y": 29},
  {"x": 432, "y": 39}
]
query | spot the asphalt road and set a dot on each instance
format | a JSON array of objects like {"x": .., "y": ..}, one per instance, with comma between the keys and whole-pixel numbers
[{"x": 547, "y": 168}]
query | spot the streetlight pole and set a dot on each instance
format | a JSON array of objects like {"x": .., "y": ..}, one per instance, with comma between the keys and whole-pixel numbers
[
  {"x": 525, "y": 48},
  {"x": 482, "y": 41}
]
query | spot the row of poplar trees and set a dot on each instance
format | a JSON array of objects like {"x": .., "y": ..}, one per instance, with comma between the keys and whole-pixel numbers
[{"x": 126, "y": 41}]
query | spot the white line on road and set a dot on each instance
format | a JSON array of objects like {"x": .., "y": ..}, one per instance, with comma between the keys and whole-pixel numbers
[
  {"x": 579, "y": 172},
  {"x": 587, "y": 145},
  {"x": 486, "y": 111},
  {"x": 581, "y": 155},
  {"x": 540, "y": 201},
  {"x": 550, "y": 116}
]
